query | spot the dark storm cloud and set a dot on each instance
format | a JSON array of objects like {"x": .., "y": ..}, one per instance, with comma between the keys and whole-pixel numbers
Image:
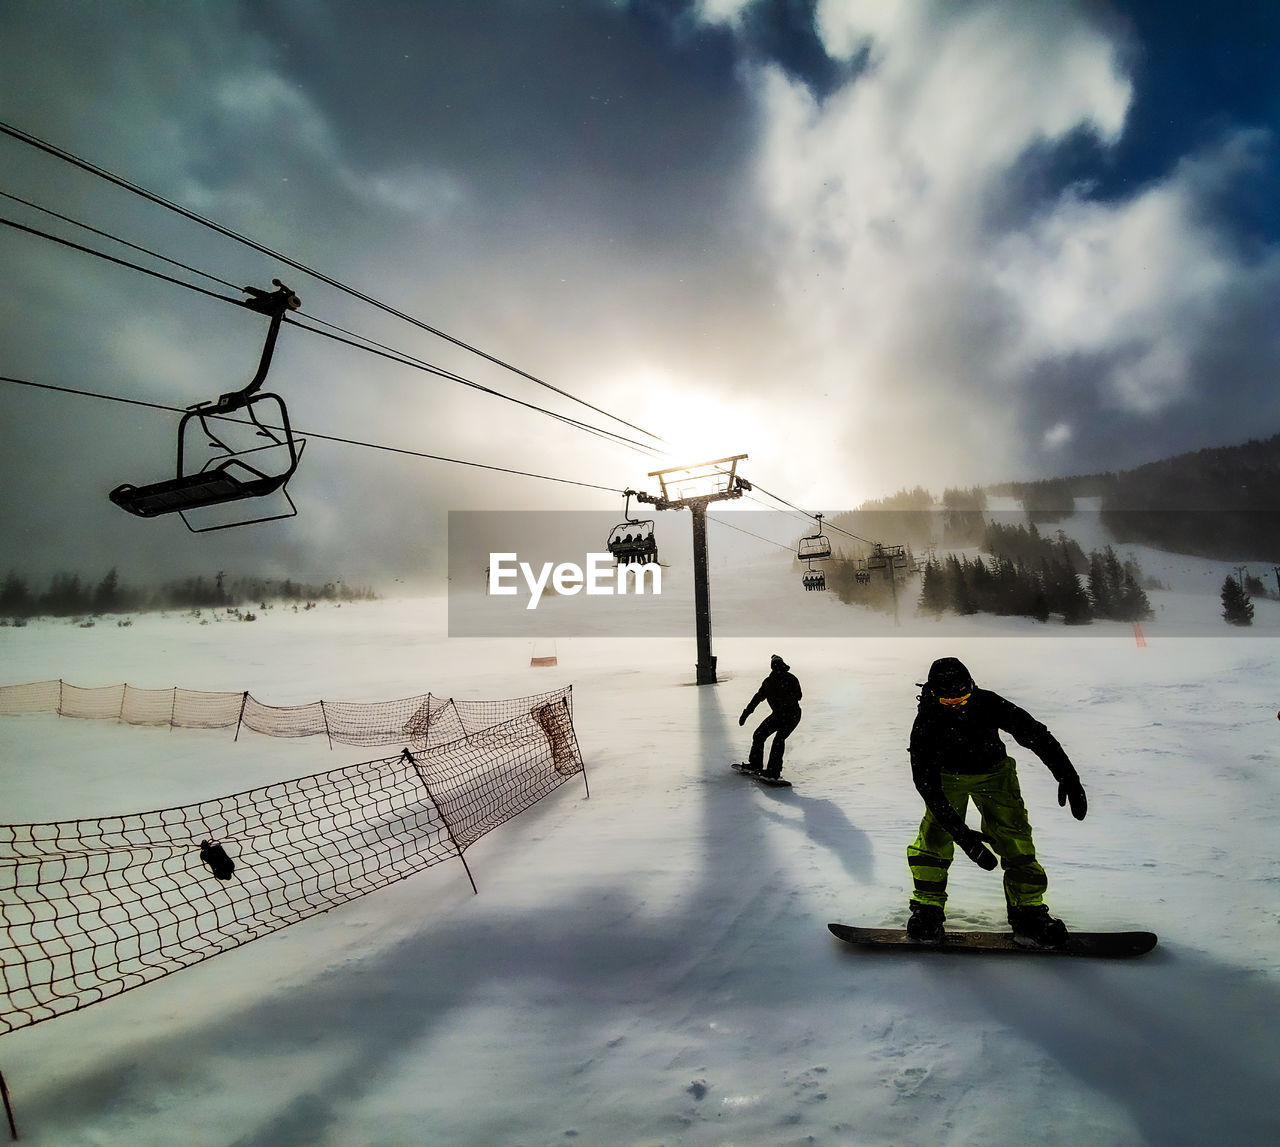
[
  {"x": 532, "y": 180},
  {"x": 871, "y": 245},
  {"x": 999, "y": 257}
]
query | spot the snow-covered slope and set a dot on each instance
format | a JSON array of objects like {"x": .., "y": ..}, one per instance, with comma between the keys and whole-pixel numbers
[{"x": 650, "y": 965}]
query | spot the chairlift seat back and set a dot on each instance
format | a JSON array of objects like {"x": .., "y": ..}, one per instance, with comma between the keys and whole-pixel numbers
[
  {"x": 814, "y": 548},
  {"x": 226, "y": 477}
]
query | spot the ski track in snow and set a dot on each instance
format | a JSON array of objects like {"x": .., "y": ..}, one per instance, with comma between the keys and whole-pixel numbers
[{"x": 651, "y": 965}]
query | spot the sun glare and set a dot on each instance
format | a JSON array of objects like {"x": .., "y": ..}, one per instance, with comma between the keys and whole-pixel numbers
[{"x": 696, "y": 425}]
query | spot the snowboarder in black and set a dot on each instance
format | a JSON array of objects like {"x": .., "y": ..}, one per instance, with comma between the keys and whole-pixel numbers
[
  {"x": 957, "y": 755},
  {"x": 782, "y": 690}
]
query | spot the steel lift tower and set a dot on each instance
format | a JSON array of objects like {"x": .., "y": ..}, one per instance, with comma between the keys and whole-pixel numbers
[{"x": 694, "y": 488}]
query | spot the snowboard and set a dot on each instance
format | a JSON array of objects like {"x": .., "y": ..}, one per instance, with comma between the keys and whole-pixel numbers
[
  {"x": 1105, "y": 945},
  {"x": 772, "y": 782}
]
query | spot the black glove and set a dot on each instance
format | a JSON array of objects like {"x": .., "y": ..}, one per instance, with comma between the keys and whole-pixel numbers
[
  {"x": 1073, "y": 791},
  {"x": 975, "y": 848},
  {"x": 743, "y": 719}
]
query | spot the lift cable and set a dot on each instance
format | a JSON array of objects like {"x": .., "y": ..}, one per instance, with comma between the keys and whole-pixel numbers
[
  {"x": 749, "y": 533},
  {"x": 314, "y": 434},
  {"x": 161, "y": 201},
  {"x": 829, "y": 525},
  {"x": 118, "y": 261},
  {"x": 362, "y": 342},
  {"x": 366, "y": 344},
  {"x": 117, "y": 239}
]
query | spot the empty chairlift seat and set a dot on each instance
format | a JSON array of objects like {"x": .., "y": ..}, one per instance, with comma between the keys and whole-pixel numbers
[{"x": 248, "y": 448}]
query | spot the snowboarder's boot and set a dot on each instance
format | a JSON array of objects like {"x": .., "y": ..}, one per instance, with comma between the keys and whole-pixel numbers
[
  {"x": 925, "y": 925},
  {"x": 1035, "y": 928},
  {"x": 772, "y": 774}
]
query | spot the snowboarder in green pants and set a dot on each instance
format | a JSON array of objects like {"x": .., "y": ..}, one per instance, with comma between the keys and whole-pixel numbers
[{"x": 957, "y": 756}]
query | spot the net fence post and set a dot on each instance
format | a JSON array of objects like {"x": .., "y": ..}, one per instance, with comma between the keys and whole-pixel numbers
[
  {"x": 8, "y": 1108},
  {"x": 405, "y": 755},
  {"x": 567, "y": 702},
  {"x": 244, "y": 700},
  {"x": 324, "y": 716}
]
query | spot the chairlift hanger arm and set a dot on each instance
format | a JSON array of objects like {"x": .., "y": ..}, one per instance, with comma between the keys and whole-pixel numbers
[
  {"x": 626, "y": 506},
  {"x": 275, "y": 304}
]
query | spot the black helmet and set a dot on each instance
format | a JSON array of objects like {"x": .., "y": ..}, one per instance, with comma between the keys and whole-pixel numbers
[{"x": 948, "y": 677}]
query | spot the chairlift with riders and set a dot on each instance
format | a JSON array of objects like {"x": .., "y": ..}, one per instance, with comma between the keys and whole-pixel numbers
[
  {"x": 814, "y": 580},
  {"x": 631, "y": 542}
]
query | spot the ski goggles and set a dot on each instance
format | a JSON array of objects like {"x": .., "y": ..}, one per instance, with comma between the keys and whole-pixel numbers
[{"x": 955, "y": 702}]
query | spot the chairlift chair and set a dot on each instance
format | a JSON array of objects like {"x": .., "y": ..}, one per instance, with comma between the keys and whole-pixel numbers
[
  {"x": 814, "y": 580},
  {"x": 631, "y": 542},
  {"x": 815, "y": 547},
  {"x": 230, "y": 473}
]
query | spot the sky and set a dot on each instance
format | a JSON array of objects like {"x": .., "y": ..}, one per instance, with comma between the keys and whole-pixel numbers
[{"x": 870, "y": 246}]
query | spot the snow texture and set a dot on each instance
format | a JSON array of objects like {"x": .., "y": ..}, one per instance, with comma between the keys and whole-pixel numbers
[{"x": 650, "y": 964}]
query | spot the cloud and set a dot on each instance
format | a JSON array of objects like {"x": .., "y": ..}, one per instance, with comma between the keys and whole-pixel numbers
[
  {"x": 867, "y": 270},
  {"x": 1133, "y": 282},
  {"x": 1058, "y": 435},
  {"x": 934, "y": 298},
  {"x": 880, "y": 196},
  {"x": 722, "y": 11},
  {"x": 280, "y": 124}
]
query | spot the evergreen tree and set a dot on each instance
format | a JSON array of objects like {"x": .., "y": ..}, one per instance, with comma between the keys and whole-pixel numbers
[
  {"x": 933, "y": 589},
  {"x": 1064, "y": 593},
  {"x": 16, "y": 599},
  {"x": 65, "y": 596},
  {"x": 1101, "y": 587},
  {"x": 106, "y": 597},
  {"x": 1134, "y": 604},
  {"x": 1114, "y": 571},
  {"x": 981, "y": 585},
  {"x": 958, "y": 592},
  {"x": 1039, "y": 602},
  {"x": 1237, "y": 609}
]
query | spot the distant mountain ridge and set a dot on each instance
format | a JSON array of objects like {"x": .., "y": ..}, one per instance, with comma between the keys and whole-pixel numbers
[{"x": 1219, "y": 502}]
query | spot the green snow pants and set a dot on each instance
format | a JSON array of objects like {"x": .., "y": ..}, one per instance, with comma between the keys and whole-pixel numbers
[{"x": 998, "y": 800}]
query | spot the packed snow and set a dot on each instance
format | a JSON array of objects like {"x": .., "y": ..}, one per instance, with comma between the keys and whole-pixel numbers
[{"x": 649, "y": 963}]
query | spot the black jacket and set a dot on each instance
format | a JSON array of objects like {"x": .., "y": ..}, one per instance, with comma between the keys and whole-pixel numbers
[
  {"x": 967, "y": 740},
  {"x": 781, "y": 689}
]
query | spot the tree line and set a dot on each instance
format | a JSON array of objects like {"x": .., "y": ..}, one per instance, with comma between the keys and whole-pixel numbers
[
  {"x": 70, "y": 595},
  {"x": 1029, "y": 575}
]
